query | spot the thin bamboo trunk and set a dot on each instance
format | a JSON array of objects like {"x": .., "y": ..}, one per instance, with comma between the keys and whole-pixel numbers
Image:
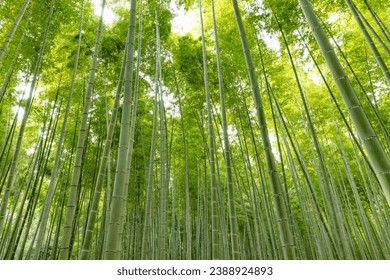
[
  {"x": 14, "y": 60},
  {"x": 15, "y": 25}
]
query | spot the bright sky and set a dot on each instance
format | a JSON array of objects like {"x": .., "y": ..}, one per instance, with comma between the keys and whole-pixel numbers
[
  {"x": 108, "y": 16},
  {"x": 271, "y": 40},
  {"x": 182, "y": 23}
]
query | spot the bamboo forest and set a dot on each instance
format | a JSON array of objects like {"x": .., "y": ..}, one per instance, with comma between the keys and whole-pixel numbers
[{"x": 194, "y": 130}]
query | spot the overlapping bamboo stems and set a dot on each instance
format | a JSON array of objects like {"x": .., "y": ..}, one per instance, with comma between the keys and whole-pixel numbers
[
  {"x": 382, "y": 27},
  {"x": 235, "y": 247},
  {"x": 324, "y": 179},
  {"x": 261, "y": 193},
  {"x": 262, "y": 214},
  {"x": 49, "y": 131},
  {"x": 147, "y": 235},
  {"x": 164, "y": 176},
  {"x": 250, "y": 182},
  {"x": 369, "y": 41},
  {"x": 377, "y": 155},
  {"x": 373, "y": 32},
  {"x": 12, "y": 171},
  {"x": 362, "y": 219},
  {"x": 32, "y": 182},
  {"x": 83, "y": 196},
  {"x": 292, "y": 166},
  {"x": 355, "y": 141},
  {"x": 72, "y": 203},
  {"x": 223, "y": 196},
  {"x": 92, "y": 215},
  {"x": 307, "y": 198},
  {"x": 188, "y": 222},
  {"x": 283, "y": 223},
  {"x": 14, "y": 59},
  {"x": 55, "y": 172},
  {"x": 134, "y": 107},
  {"x": 61, "y": 200},
  {"x": 7, "y": 145},
  {"x": 11, "y": 230},
  {"x": 215, "y": 219},
  {"x": 372, "y": 245},
  {"x": 370, "y": 102},
  {"x": 368, "y": 228},
  {"x": 338, "y": 107},
  {"x": 204, "y": 241}
]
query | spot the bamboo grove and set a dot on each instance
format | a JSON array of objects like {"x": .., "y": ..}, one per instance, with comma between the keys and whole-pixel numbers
[{"x": 262, "y": 132}]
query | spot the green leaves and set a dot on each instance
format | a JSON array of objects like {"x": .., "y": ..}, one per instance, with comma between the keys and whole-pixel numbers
[{"x": 239, "y": 172}]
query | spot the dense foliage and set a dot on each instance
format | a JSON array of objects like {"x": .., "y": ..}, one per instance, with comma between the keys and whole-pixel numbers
[{"x": 263, "y": 133}]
